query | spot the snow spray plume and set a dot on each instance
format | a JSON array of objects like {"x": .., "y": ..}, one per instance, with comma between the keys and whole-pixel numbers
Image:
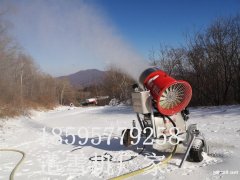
[{"x": 77, "y": 25}]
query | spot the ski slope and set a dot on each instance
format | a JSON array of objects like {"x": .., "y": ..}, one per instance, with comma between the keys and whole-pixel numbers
[{"x": 51, "y": 142}]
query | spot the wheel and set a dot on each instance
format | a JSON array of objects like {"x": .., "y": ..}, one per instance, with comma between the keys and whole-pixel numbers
[
  {"x": 127, "y": 138},
  {"x": 196, "y": 150}
]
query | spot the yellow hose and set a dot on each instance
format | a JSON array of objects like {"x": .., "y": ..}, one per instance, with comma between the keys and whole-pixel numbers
[
  {"x": 139, "y": 171},
  {"x": 121, "y": 177},
  {"x": 16, "y": 167}
]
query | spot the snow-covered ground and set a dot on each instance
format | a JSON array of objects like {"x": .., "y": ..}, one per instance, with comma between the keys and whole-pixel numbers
[{"x": 52, "y": 156}]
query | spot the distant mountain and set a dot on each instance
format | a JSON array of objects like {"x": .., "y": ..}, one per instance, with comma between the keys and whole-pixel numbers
[{"x": 85, "y": 78}]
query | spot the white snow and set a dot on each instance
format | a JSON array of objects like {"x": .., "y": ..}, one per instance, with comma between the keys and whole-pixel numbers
[{"x": 49, "y": 159}]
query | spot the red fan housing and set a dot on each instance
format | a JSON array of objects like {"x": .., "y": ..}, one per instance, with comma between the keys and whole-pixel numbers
[{"x": 170, "y": 96}]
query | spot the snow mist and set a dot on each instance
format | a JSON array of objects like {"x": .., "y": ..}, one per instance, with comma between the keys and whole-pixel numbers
[{"x": 79, "y": 28}]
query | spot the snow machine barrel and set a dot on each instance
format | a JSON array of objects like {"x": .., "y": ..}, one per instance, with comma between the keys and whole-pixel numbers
[{"x": 170, "y": 96}]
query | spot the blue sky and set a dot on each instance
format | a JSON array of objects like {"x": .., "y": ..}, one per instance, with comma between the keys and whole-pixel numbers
[
  {"x": 55, "y": 32},
  {"x": 147, "y": 23}
]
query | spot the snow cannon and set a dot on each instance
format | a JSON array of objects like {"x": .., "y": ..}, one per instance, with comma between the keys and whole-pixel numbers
[
  {"x": 170, "y": 95},
  {"x": 160, "y": 103}
]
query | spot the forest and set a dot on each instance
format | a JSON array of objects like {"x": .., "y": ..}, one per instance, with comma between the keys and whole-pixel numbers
[{"x": 209, "y": 60}]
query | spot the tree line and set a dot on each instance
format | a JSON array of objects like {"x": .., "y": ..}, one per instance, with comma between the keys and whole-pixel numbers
[
  {"x": 210, "y": 61},
  {"x": 116, "y": 84},
  {"x": 22, "y": 84}
]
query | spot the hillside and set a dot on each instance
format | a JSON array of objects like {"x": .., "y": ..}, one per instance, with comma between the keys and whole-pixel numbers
[{"x": 85, "y": 78}]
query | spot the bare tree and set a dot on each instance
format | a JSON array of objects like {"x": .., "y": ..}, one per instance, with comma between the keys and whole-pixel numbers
[
  {"x": 117, "y": 84},
  {"x": 213, "y": 55},
  {"x": 22, "y": 84},
  {"x": 210, "y": 61},
  {"x": 65, "y": 92}
]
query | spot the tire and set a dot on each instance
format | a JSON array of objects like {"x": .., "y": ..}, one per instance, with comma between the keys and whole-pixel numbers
[
  {"x": 196, "y": 150},
  {"x": 127, "y": 138}
]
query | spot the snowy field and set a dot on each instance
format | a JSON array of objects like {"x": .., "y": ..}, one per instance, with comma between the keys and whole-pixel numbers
[{"x": 51, "y": 141}]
